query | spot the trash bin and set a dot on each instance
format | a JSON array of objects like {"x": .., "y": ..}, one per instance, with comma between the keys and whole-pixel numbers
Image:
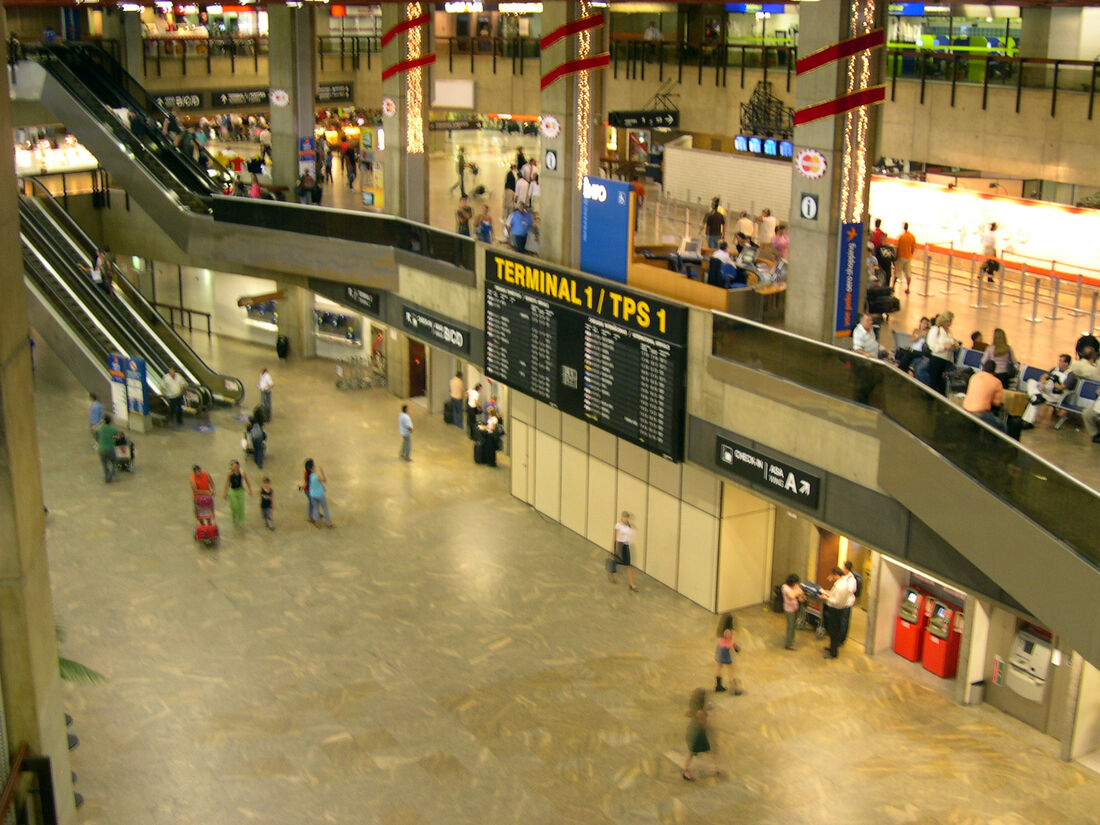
[
  {"x": 977, "y": 692},
  {"x": 282, "y": 346}
]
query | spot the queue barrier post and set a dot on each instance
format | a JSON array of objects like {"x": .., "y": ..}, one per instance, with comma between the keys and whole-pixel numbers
[
  {"x": 1076, "y": 308},
  {"x": 1023, "y": 284},
  {"x": 1092, "y": 316},
  {"x": 978, "y": 298},
  {"x": 1054, "y": 316},
  {"x": 950, "y": 267},
  {"x": 1035, "y": 317},
  {"x": 1001, "y": 287},
  {"x": 927, "y": 271},
  {"x": 973, "y": 269}
]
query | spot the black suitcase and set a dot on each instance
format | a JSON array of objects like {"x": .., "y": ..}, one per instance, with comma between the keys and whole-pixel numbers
[
  {"x": 282, "y": 346},
  {"x": 485, "y": 452},
  {"x": 884, "y": 305},
  {"x": 448, "y": 413},
  {"x": 878, "y": 292}
]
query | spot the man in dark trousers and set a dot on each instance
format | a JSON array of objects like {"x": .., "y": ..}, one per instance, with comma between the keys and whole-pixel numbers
[{"x": 838, "y": 600}]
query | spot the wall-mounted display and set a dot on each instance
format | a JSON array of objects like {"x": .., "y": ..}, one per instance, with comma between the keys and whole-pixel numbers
[{"x": 601, "y": 353}]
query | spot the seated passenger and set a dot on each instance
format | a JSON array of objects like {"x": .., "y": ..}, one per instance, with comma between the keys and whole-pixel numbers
[
  {"x": 1047, "y": 389},
  {"x": 864, "y": 340},
  {"x": 984, "y": 394}
]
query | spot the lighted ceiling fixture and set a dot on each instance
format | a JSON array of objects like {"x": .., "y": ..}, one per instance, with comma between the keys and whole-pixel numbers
[
  {"x": 213, "y": 9},
  {"x": 519, "y": 8},
  {"x": 131, "y": 7},
  {"x": 463, "y": 8}
]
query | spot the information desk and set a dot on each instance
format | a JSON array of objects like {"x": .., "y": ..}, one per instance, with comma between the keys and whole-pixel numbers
[{"x": 590, "y": 348}]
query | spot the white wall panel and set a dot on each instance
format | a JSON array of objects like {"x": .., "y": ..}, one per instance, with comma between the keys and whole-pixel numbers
[
  {"x": 743, "y": 183},
  {"x": 574, "y": 489},
  {"x": 601, "y": 503},
  {"x": 521, "y": 455},
  {"x": 663, "y": 539},
  {"x": 698, "y": 561},
  {"x": 745, "y": 548},
  {"x": 632, "y": 497},
  {"x": 548, "y": 475}
]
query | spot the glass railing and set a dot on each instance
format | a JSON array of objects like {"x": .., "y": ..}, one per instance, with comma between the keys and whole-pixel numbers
[
  {"x": 1002, "y": 465},
  {"x": 360, "y": 227}
]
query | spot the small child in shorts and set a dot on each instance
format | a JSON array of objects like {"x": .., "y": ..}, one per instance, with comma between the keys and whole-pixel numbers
[{"x": 267, "y": 503}]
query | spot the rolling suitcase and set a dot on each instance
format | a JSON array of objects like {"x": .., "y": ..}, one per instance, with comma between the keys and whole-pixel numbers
[
  {"x": 484, "y": 452},
  {"x": 883, "y": 305},
  {"x": 206, "y": 533}
]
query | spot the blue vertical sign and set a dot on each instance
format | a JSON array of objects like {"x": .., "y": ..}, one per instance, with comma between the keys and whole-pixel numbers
[
  {"x": 137, "y": 391},
  {"x": 116, "y": 368},
  {"x": 849, "y": 261},
  {"x": 605, "y": 228}
]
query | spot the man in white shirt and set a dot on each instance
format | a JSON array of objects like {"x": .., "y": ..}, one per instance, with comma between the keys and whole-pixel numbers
[
  {"x": 838, "y": 600},
  {"x": 523, "y": 191},
  {"x": 745, "y": 226},
  {"x": 405, "y": 427},
  {"x": 473, "y": 407},
  {"x": 722, "y": 253},
  {"x": 171, "y": 387},
  {"x": 265, "y": 384},
  {"x": 863, "y": 337},
  {"x": 766, "y": 227}
]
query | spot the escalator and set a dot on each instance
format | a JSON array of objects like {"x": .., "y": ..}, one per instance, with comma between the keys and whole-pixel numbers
[
  {"x": 86, "y": 89},
  {"x": 85, "y": 326}
]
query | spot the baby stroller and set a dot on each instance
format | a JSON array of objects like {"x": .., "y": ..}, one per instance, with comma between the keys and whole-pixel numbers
[
  {"x": 207, "y": 533},
  {"x": 124, "y": 453}
]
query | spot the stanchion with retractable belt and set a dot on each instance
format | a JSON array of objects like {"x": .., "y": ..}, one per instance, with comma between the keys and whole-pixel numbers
[
  {"x": 1092, "y": 317},
  {"x": 1076, "y": 308},
  {"x": 927, "y": 272},
  {"x": 950, "y": 267},
  {"x": 973, "y": 270},
  {"x": 978, "y": 299},
  {"x": 1001, "y": 288},
  {"x": 1023, "y": 284},
  {"x": 1035, "y": 317},
  {"x": 1054, "y": 316}
]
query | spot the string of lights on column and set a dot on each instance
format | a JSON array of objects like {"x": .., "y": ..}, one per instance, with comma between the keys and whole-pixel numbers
[
  {"x": 414, "y": 117},
  {"x": 853, "y": 177},
  {"x": 584, "y": 99}
]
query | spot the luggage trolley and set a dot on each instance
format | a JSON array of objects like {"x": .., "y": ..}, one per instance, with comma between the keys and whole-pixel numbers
[
  {"x": 124, "y": 454},
  {"x": 810, "y": 611}
]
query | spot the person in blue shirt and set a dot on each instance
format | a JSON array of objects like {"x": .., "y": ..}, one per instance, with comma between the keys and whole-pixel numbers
[
  {"x": 520, "y": 223},
  {"x": 405, "y": 425},
  {"x": 485, "y": 226},
  {"x": 95, "y": 414}
]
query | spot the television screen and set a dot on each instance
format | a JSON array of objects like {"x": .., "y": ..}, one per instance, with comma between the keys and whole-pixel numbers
[
  {"x": 771, "y": 147},
  {"x": 786, "y": 149},
  {"x": 741, "y": 143},
  {"x": 754, "y": 145}
]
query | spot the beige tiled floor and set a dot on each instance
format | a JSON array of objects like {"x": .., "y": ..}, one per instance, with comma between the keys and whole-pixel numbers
[{"x": 447, "y": 655}]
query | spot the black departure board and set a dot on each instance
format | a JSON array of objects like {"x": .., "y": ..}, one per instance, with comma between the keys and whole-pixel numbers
[{"x": 589, "y": 347}]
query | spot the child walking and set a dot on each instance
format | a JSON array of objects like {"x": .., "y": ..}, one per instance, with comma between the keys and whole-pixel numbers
[
  {"x": 267, "y": 503},
  {"x": 723, "y": 655}
]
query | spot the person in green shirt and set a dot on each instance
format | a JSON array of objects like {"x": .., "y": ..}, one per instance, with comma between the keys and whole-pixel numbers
[{"x": 105, "y": 439}]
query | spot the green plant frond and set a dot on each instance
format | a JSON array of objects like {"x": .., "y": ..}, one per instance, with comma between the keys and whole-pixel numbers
[{"x": 75, "y": 672}]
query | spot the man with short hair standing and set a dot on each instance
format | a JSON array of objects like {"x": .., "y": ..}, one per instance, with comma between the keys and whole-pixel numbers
[
  {"x": 837, "y": 600},
  {"x": 907, "y": 245},
  {"x": 264, "y": 386},
  {"x": 171, "y": 386},
  {"x": 457, "y": 394},
  {"x": 405, "y": 426}
]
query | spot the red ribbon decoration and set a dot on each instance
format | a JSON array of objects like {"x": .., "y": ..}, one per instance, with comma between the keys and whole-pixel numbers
[
  {"x": 837, "y": 106},
  {"x": 404, "y": 26},
  {"x": 573, "y": 66},
  {"x": 572, "y": 27},
  {"x": 838, "y": 51},
  {"x": 406, "y": 65}
]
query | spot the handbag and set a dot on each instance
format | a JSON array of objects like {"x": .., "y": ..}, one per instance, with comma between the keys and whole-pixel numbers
[{"x": 611, "y": 564}]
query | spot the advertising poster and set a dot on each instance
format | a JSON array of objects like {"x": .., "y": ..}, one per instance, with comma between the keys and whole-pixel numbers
[
  {"x": 307, "y": 155},
  {"x": 849, "y": 261},
  {"x": 116, "y": 368},
  {"x": 137, "y": 391},
  {"x": 605, "y": 228}
]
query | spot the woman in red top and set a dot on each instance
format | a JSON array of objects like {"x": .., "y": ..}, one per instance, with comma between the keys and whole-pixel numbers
[{"x": 202, "y": 486}]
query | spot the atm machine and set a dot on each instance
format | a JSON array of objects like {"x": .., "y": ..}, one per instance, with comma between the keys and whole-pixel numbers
[
  {"x": 911, "y": 621},
  {"x": 941, "y": 639},
  {"x": 1029, "y": 664}
]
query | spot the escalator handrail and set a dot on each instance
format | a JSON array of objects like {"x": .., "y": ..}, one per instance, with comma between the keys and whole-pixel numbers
[
  {"x": 142, "y": 311},
  {"x": 94, "y": 106},
  {"x": 142, "y": 101},
  {"x": 87, "y": 297}
]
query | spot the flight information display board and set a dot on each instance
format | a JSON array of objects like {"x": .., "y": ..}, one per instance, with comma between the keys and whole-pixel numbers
[{"x": 590, "y": 348}]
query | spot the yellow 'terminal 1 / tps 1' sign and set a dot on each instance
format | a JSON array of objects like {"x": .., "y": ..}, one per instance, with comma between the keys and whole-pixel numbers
[{"x": 594, "y": 296}]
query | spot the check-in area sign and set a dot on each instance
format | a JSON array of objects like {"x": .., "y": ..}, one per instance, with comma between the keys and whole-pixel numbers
[{"x": 768, "y": 473}]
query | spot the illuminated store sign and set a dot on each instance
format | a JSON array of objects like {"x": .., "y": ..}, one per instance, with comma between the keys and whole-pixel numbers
[{"x": 463, "y": 8}]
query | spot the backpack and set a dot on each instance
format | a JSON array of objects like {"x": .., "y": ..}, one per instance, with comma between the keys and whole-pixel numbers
[{"x": 859, "y": 584}]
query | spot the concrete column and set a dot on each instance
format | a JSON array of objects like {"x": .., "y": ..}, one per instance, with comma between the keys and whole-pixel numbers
[
  {"x": 28, "y": 648},
  {"x": 575, "y": 101},
  {"x": 811, "y": 300},
  {"x": 405, "y": 158},
  {"x": 888, "y": 580},
  {"x": 125, "y": 27},
  {"x": 291, "y": 49},
  {"x": 973, "y": 650},
  {"x": 296, "y": 320}
]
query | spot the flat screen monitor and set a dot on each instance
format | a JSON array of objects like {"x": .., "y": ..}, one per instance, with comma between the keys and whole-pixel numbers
[
  {"x": 940, "y": 611},
  {"x": 911, "y": 597},
  {"x": 1028, "y": 647},
  {"x": 771, "y": 147},
  {"x": 755, "y": 145},
  {"x": 741, "y": 143},
  {"x": 691, "y": 249}
]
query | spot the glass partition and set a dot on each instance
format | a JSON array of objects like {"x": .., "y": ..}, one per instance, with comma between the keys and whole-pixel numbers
[{"x": 1002, "y": 465}]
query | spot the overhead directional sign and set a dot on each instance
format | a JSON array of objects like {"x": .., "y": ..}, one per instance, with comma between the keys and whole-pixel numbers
[
  {"x": 662, "y": 118},
  {"x": 767, "y": 473}
]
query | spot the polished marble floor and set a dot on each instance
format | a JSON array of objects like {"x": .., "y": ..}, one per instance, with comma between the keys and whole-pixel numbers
[{"x": 446, "y": 655}]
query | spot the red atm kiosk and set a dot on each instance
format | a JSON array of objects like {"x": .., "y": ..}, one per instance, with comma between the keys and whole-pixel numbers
[
  {"x": 941, "y": 639},
  {"x": 911, "y": 621}
]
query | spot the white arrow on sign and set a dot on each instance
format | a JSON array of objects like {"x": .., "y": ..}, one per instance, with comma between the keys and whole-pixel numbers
[{"x": 804, "y": 487}]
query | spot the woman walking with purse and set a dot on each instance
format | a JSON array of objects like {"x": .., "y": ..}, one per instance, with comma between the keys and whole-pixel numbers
[
  {"x": 235, "y": 483},
  {"x": 624, "y": 537}
]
